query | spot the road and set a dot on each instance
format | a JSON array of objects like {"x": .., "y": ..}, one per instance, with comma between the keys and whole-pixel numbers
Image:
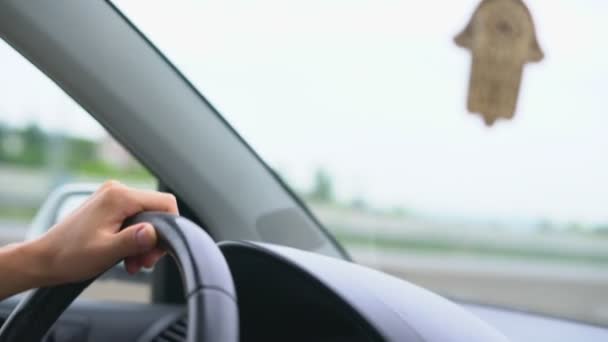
[{"x": 576, "y": 291}]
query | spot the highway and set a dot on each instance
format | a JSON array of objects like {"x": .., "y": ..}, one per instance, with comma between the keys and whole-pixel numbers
[{"x": 576, "y": 291}]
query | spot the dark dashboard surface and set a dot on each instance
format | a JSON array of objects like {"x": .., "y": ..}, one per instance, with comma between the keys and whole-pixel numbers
[
  {"x": 279, "y": 302},
  {"x": 276, "y": 302},
  {"x": 89, "y": 320}
]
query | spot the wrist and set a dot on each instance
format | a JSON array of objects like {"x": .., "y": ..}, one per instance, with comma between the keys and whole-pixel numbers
[
  {"x": 22, "y": 267},
  {"x": 35, "y": 263}
]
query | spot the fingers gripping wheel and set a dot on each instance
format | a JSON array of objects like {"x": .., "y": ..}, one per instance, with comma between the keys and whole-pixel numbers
[{"x": 210, "y": 294}]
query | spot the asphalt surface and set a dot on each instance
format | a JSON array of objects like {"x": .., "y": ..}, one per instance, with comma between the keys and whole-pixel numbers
[
  {"x": 574, "y": 291},
  {"x": 577, "y": 292},
  {"x": 583, "y": 298}
]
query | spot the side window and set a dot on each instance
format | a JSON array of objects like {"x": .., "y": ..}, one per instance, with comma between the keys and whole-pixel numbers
[{"x": 53, "y": 154}]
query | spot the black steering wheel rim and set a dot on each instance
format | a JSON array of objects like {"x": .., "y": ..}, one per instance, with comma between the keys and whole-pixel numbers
[{"x": 208, "y": 286}]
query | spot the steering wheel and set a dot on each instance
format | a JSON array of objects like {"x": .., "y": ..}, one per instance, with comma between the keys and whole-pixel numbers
[{"x": 208, "y": 285}]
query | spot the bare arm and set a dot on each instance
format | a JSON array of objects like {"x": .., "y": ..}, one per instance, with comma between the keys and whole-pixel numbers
[
  {"x": 87, "y": 242},
  {"x": 20, "y": 268}
]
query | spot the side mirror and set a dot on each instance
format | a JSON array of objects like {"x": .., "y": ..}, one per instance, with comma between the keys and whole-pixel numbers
[
  {"x": 60, "y": 203},
  {"x": 63, "y": 201}
]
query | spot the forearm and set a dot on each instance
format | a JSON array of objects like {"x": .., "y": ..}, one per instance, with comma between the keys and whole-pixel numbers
[
  {"x": 87, "y": 242},
  {"x": 22, "y": 267}
]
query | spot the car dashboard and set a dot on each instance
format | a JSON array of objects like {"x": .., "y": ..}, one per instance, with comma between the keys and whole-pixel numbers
[{"x": 282, "y": 299}]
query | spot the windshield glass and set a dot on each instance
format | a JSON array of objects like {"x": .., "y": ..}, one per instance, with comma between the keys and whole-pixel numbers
[{"x": 457, "y": 145}]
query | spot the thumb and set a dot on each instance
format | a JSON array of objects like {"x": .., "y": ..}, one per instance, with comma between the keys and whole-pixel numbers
[{"x": 136, "y": 239}]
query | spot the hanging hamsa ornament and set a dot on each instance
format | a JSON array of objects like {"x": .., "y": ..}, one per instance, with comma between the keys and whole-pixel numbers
[{"x": 502, "y": 39}]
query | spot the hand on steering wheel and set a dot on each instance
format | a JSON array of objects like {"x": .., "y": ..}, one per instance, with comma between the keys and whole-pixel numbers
[{"x": 208, "y": 285}]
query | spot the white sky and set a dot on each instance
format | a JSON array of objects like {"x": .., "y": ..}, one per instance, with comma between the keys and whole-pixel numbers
[{"x": 375, "y": 92}]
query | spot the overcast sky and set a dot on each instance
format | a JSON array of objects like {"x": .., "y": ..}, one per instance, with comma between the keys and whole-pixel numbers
[{"x": 375, "y": 92}]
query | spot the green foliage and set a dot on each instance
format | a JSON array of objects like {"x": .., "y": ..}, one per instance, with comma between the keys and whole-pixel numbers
[
  {"x": 601, "y": 230},
  {"x": 447, "y": 248},
  {"x": 97, "y": 168},
  {"x": 25, "y": 214},
  {"x": 359, "y": 203},
  {"x": 34, "y": 142},
  {"x": 80, "y": 151},
  {"x": 73, "y": 154},
  {"x": 37, "y": 147},
  {"x": 322, "y": 190},
  {"x": 400, "y": 212}
]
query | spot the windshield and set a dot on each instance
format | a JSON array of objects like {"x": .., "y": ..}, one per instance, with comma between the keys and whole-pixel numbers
[{"x": 457, "y": 145}]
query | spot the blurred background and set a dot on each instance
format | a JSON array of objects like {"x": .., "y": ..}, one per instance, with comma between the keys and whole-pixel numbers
[{"x": 360, "y": 106}]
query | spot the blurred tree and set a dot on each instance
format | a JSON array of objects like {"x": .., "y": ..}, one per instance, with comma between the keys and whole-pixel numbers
[
  {"x": 35, "y": 141},
  {"x": 3, "y": 133},
  {"x": 601, "y": 229},
  {"x": 574, "y": 227},
  {"x": 545, "y": 225},
  {"x": 400, "y": 212},
  {"x": 61, "y": 154},
  {"x": 80, "y": 151},
  {"x": 322, "y": 189},
  {"x": 358, "y": 203}
]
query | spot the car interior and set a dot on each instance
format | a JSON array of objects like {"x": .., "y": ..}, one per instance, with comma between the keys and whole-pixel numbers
[{"x": 234, "y": 271}]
